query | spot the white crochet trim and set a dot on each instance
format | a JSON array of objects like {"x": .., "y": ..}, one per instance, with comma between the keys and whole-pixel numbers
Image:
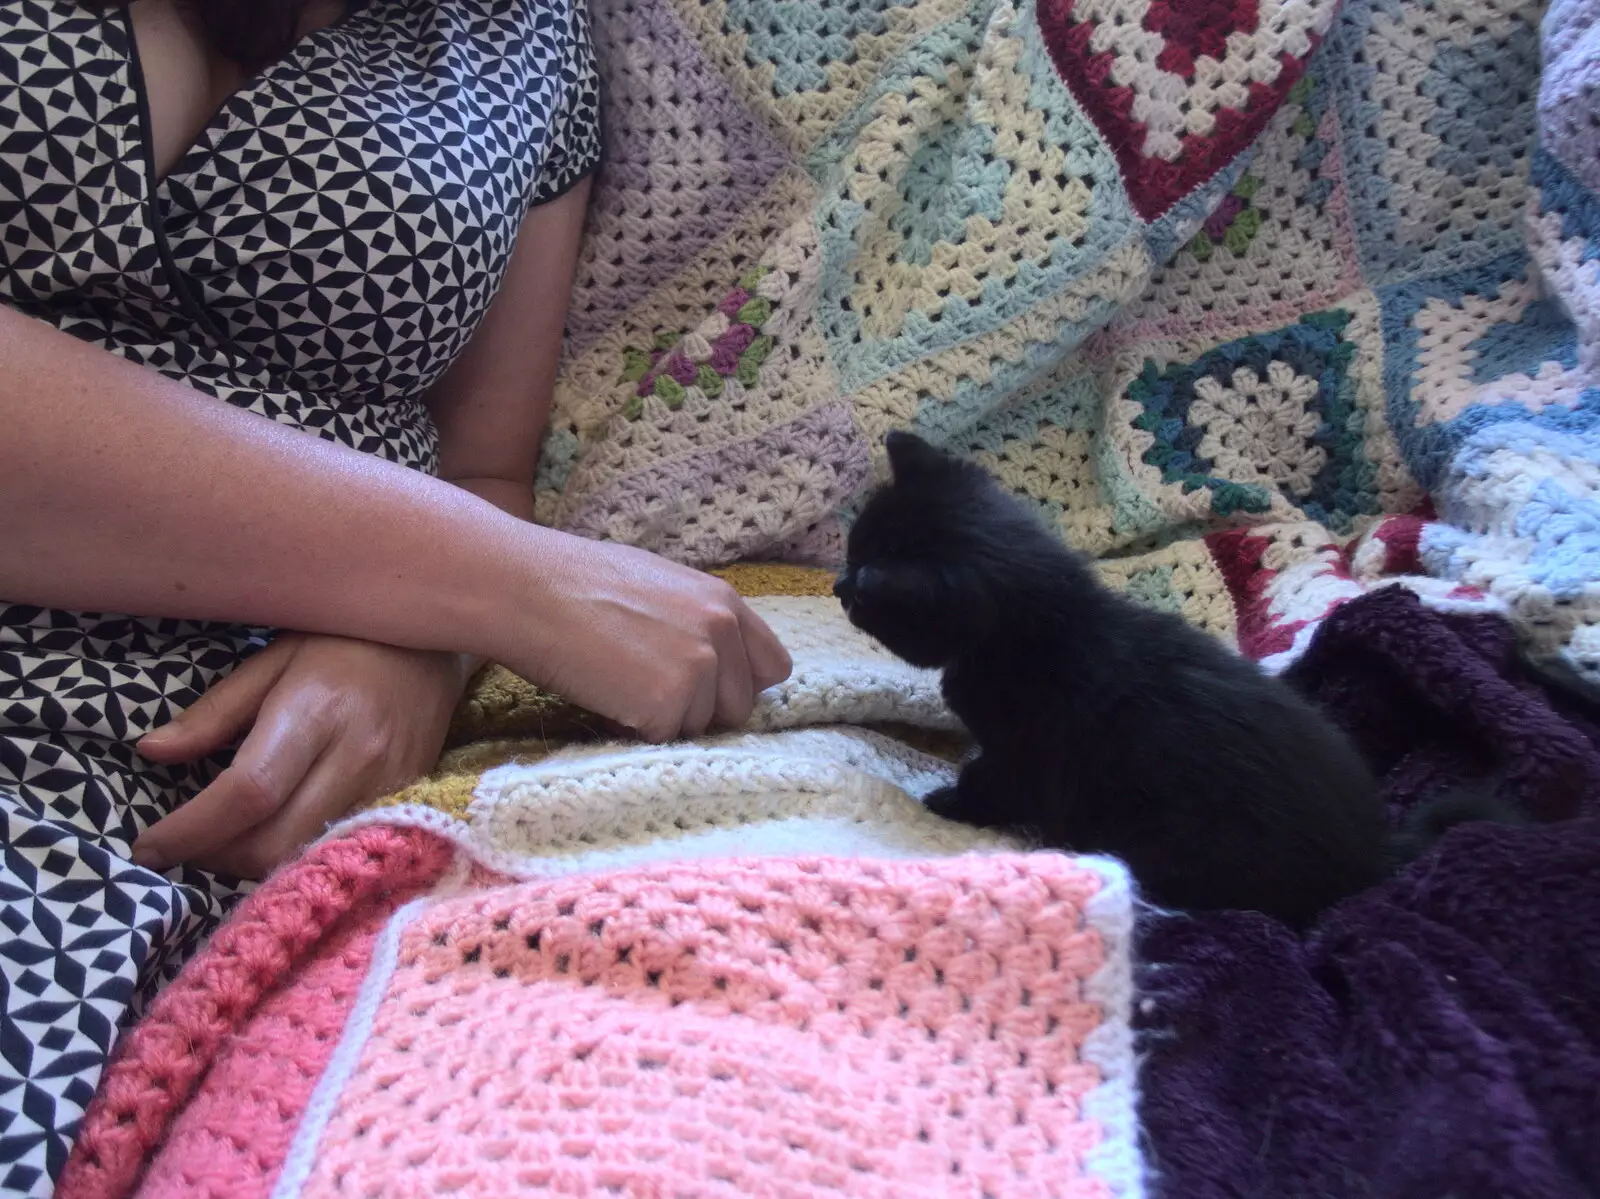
[
  {"x": 838, "y": 792},
  {"x": 841, "y": 676},
  {"x": 301, "y": 1157},
  {"x": 1114, "y": 1104}
]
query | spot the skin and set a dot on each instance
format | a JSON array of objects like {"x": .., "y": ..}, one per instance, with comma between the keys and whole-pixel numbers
[{"x": 121, "y": 490}]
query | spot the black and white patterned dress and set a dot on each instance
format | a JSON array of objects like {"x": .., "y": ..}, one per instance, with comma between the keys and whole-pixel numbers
[{"x": 320, "y": 256}]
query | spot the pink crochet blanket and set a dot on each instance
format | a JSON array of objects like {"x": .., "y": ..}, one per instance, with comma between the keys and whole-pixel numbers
[{"x": 389, "y": 1018}]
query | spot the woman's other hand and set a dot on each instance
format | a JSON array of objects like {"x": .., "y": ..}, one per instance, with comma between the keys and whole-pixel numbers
[{"x": 328, "y": 723}]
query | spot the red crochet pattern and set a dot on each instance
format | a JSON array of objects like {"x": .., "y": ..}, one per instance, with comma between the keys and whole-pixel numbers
[{"x": 1099, "y": 53}]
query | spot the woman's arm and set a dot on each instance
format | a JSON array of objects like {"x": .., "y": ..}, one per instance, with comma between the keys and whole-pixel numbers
[
  {"x": 491, "y": 406},
  {"x": 121, "y": 490},
  {"x": 328, "y": 722}
]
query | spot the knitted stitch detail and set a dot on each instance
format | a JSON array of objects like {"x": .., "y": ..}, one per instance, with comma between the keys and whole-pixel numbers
[
  {"x": 226, "y": 1143},
  {"x": 595, "y": 807},
  {"x": 159, "y": 1064},
  {"x": 300, "y": 1156},
  {"x": 1180, "y": 89},
  {"x": 1044, "y": 236},
  {"x": 1569, "y": 88},
  {"x": 677, "y": 1026}
]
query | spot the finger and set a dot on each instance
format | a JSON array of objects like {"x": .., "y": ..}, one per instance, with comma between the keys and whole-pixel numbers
[
  {"x": 735, "y": 688},
  {"x": 702, "y": 709},
  {"x": 691, "y": 698},
  {"x": 223, "y": 712},
  {"x": 770, "y": 663},
  {"x": 265, "y": 772},
  {"x": 335, "y": 783}
]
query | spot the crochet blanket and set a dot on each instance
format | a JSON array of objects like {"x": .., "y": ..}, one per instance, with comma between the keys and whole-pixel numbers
[
  {"x": 805, "y": 1027},
  {"x": 755, "y": 965},
  {"x": 1218, "y": 286}
]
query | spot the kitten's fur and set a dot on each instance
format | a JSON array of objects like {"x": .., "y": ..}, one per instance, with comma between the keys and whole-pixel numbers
[{"x": 1103, "y": 726}]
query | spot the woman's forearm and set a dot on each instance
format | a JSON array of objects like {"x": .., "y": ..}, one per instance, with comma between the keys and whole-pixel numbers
[
  {"x": 123, "y": 491},
  {"x": 509, "y": 496}
]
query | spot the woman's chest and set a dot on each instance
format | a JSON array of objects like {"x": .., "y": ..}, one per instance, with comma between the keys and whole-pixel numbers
[
  {"x": 342, "y": 217},
  {"x": 185, "y": 82}
]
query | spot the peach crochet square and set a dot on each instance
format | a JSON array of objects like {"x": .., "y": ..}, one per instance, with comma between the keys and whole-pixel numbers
[{"x": 789, "y": 1028}]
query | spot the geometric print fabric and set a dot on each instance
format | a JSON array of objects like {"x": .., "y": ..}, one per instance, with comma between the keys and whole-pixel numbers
[{"x": 319, "y": 257}]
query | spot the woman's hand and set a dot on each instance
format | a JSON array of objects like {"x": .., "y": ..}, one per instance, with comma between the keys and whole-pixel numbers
[
  {"x": 657, "y": 648},
  {"x": 331, "y": 723}
]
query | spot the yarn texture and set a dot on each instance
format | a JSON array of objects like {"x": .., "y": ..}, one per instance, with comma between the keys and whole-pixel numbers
[
  {"x": 824, "y": 1026},
  {"x": 1288, "y": 314},
  {"x": 1223, "y": 289}
]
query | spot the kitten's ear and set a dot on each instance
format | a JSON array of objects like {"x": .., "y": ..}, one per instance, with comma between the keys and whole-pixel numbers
[{"x": 910, "y": 456}]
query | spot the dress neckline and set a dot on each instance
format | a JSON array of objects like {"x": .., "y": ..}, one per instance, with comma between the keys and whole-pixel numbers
[{"x": 218, "y": 122}]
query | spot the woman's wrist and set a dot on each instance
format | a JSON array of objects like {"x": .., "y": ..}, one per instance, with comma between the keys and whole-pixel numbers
[
  {"x": 507, "y": 595},
  {"x": 509, "y": 600}
]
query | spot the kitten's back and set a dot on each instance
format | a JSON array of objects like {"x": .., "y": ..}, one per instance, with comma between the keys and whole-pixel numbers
[{"x": 1220, "y": 786}]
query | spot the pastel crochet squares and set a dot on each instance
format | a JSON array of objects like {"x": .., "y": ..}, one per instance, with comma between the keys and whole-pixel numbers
[
  {"x": 800, "y": 1026},
  {"x": 1167, "y": 269},
  {"x": 1265, "y": 419},
  {"x": 1437, "y": 120},
  {"x": 969, "y": 190},
  {"x": 1278, "y": 243}
]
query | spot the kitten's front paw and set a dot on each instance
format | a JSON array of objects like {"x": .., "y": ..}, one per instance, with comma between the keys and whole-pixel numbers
[{"x": 946, "y": 802}]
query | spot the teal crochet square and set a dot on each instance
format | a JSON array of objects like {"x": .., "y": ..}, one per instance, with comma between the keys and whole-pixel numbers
[{"x": 1283, "y": 404}]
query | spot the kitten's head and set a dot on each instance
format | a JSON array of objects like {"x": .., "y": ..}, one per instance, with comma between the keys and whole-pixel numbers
[{"x": 936, "y": 555}]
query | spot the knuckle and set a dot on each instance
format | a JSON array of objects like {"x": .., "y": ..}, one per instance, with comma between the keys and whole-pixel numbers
[
  {"x": 371, "y": 746},
  {"x": 719, "y": 619},
  {"x": 256, "y": 795},
  {"x": 330, "y": 698}
]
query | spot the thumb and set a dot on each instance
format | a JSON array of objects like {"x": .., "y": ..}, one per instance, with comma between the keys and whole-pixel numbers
[{"x": 223, "y": 713}]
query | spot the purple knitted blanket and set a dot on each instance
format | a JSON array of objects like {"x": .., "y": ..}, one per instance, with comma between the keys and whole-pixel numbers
[{"x": 1437, "y": 1037}]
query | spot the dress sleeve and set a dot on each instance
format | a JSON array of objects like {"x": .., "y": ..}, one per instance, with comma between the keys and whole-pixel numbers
[{"x": 574, "y": 148}]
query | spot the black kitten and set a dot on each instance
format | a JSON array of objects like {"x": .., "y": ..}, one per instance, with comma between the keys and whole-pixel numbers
[{"x": 1105, "y": 727}]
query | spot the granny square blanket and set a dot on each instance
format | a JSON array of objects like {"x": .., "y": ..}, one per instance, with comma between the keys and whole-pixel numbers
[
  {"x": 756, "y": 965},
  {"x": 1285, "y": 311},
  {"x": 1268, "y": 300}
]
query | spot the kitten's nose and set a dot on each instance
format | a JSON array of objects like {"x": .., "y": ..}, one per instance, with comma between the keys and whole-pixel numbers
[{"x": 844, "y": 587}]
